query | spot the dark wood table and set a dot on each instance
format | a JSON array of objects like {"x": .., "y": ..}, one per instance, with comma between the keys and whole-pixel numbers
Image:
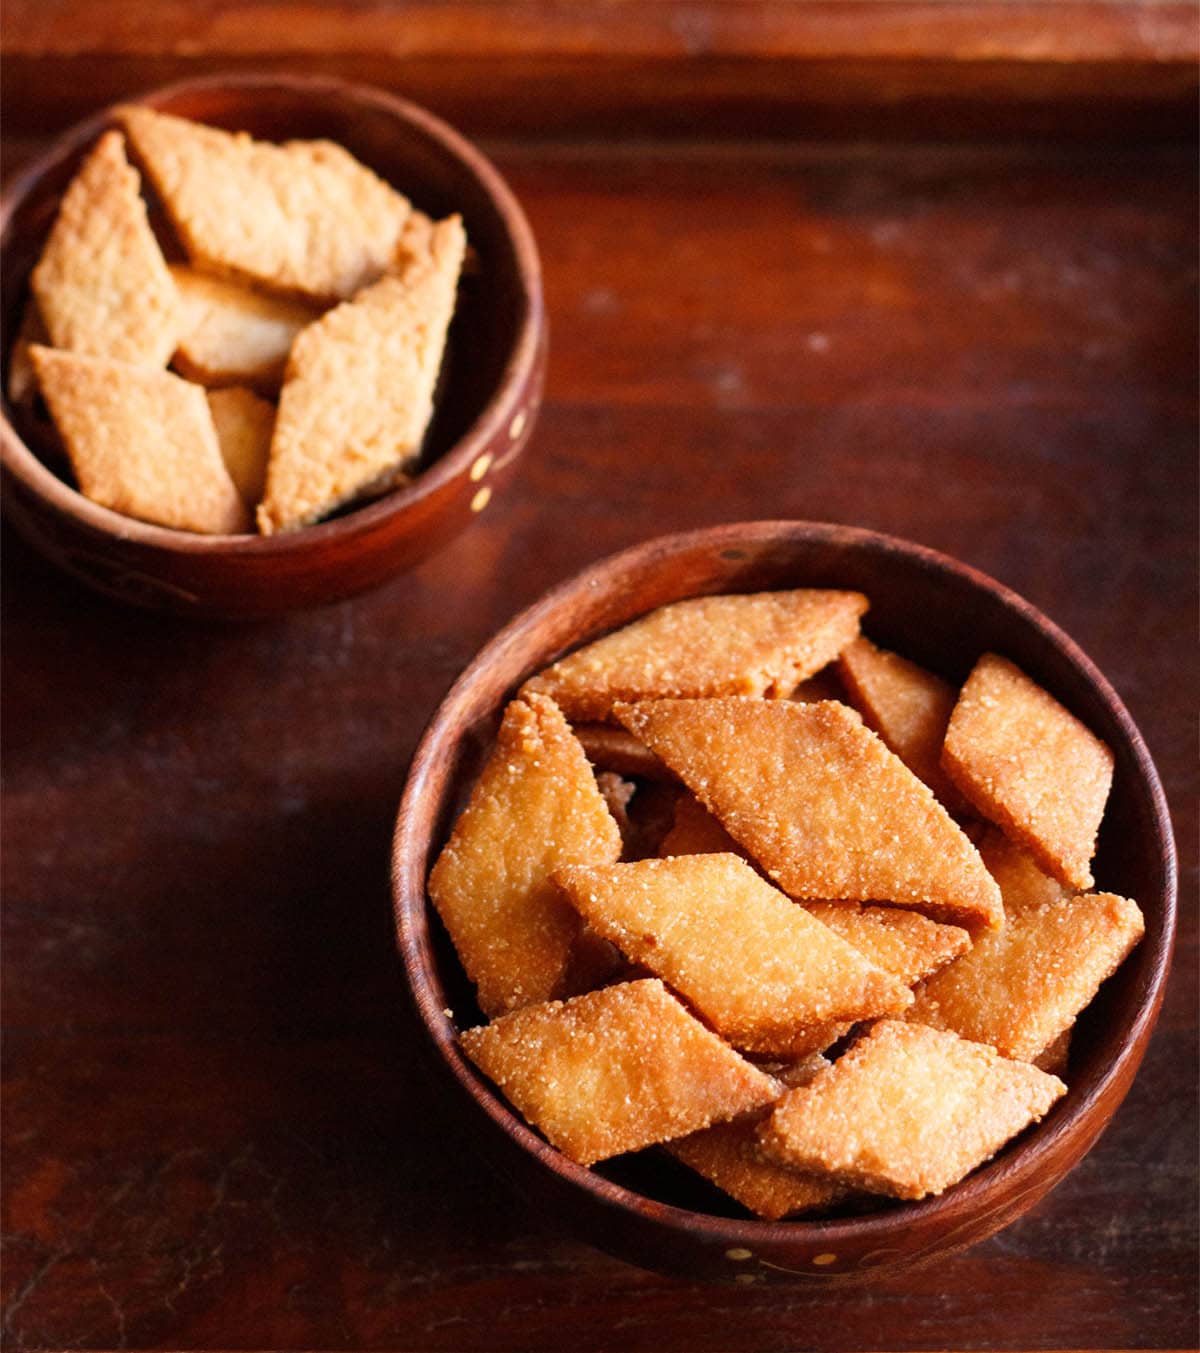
[{"x": 218, "y": 1130}]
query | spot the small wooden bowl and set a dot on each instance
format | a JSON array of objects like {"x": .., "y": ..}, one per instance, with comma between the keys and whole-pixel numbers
[
  {"x": 485, "y": 413},
  {"x": 936, "y": 611}
]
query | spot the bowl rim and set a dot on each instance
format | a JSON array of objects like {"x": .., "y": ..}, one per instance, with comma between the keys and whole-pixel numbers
[
  {"x": 965, "y": 1198},
  {"x": 19, "y": 459}
]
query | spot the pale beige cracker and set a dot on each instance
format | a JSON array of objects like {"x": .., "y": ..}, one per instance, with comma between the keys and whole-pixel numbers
[
  {"x": 907, "y": 706},
  {"x": 755, "y": 965},
  {"x": 102, "y": 285},
  {"x": 534, "y": 808},
  {"x": 755, "y": 644},
  {"x": 358, "y": 393},
  {"x": 1029, "y": 765},
  {"x": 1020, "y": 988},
  {"x": 610, "y": 748},
  {"x": 615, "y": 1070},
  {"x": 820, "y": 803},
  {"x": 231, "y": 335},
  {"x": 907, "y": 1111},
  {"x": 244, "y": 425},
  {"x": 304, "y": 217},
  {"x": 141, "y": 442}
]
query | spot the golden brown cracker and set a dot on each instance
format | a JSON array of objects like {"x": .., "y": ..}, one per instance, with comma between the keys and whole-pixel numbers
[
  {"x": 141, "y": 442},
  {"x": 244, "y": 424},
  {"x": 907, "y": 1111},
  {"x": 754, "y": 964},
  {"x": 102, "y": 285},
  {"x": 305, "y": 217},
  {"x": 696, "y": 832},
  {"x": 534, "y": 808},
  {"x": 614, "y": 749},
  {"x": 820, "y": 803},
  {"x": 1019, "y": 988},
  {"x": 1056, "y": 1058},
  {"x": 615, "y": 1070},
  {"x": 1030, "y": 766},
  {"x": 904, "y": 943},
  {"x": 231, "y": 335},
  {"x": 754, "y": 644},
  {"x": 358, "y": 394},
  {"x": 907, "y": 706}
]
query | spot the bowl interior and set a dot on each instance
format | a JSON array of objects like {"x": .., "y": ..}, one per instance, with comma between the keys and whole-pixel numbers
[
  {"x": 438, "y": 171},
  {"x": 937, "y": 612}
]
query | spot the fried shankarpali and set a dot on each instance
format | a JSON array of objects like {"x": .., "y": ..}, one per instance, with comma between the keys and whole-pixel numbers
[
  {"x": 907, "y": 1112},
  {"x": 615, "y": 1070},
  {"x": 820, "y": 803},
  {"x": 1030, "y": 766},
  {"x": 534, "y": 808},
  {"x": 1021, "y": 988},
  {"x": 757, "y": 644},
  {"x": 755, "y": 965}
]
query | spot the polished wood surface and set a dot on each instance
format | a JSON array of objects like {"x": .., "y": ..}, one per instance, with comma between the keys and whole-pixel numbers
[{"x": 220, "y": 1129}]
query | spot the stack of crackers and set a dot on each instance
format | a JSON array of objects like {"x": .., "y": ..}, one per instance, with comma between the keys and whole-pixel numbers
[
  {"x": 305, "y": 323},
  {"x": 739, "y": 884}
]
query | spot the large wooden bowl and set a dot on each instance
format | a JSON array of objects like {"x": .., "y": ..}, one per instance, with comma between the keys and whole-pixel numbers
[
  {"x": 941, "y": 614},
  {"x": 486, "y": 409}
]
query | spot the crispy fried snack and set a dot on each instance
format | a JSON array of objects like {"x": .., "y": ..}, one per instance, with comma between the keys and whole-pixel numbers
[
  {"x": 616, "y": 793},
  {"x": 823, "y": 686},
  {"x": 904, "y": 943},
  {"x": 244, "y": 424},
  {"x": 697, "y": 832},
  {"x": 534, "y": 808},
  {"x": 1030, "y": 766},
  {"x": 359, "y": 390},
  {"x": 759, "y": 644},
  {"x": 820, "y": 803},
  {"x": 755, "y": 965},
  {"x": 102, "y": 285},
  {"x": 907, "y": 706},
  {"x": 1021, "y": 987},
  {"x": 907, "y": 1112},
  {"x": 1056, "y": 1057},
  {"x": 231, "y": 335},
  {"x": 615, "y": 1070},
  {"x": 141, "y": 441},
  {"x": 610, "y": 748},
  {"x": 305, "y": 218}
]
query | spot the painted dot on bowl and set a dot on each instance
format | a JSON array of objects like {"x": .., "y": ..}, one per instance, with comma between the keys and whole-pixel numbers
[
  {"x": 738, "y": 1254},
  {"x": 823, "y": 1259},
  {"x": 517, "y": 426},
  {"x": 481, "y": 467},
  {"x": 481, "y": 499}
]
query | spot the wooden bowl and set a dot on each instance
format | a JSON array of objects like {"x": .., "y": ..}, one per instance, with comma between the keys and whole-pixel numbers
[
  {"x": 485, "y": 412},
  {"x": 936, "y": 611}
]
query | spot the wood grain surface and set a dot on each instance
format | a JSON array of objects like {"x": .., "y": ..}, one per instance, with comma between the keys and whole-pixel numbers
[{"x": 219, "y": 1130}]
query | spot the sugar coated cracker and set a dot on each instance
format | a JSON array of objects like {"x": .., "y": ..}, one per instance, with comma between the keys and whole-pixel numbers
[
  {"x": 615, "y": 1070},
  {"x": 755, "y": 644},
  {"x": 752, "y": 962},
  {"x": 534, "y": 808},
  {"x": 907, "y": 1112},
  {"x": 820, "y": 803},
  {"x": 1030, "y": 766},
  {"x": 141, "y": 442},
  {"x": 102, "y": 285}
]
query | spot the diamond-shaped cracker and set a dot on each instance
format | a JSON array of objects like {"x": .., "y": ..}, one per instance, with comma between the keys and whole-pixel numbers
[
  {"x": 754, "y": 964},
  {"x": 820, "y": 803},
  {"x": 757, "y": 644},
  {"x": 696, "y": 832},
  {"x": 907, "y": 1112},
  {"x": 615, "y": 1070},
  {"x": 102, "y": 285},
  {"x": 1021, "y": 987},
  {"x": 141, "y": 441},
  {"x": 304, "y": 218},
  {"x": 534, "y": 808},
  {"x": 728, "y": 1155},
  {"x": 231, "y": 335},
  {"x": 244, "y": 425},
  {"x": 358, "y": 394},
  {"x": 610, "y": 748},
  {"x": 1030, "y": 766},
  {"x": 907, "y": 706}
]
